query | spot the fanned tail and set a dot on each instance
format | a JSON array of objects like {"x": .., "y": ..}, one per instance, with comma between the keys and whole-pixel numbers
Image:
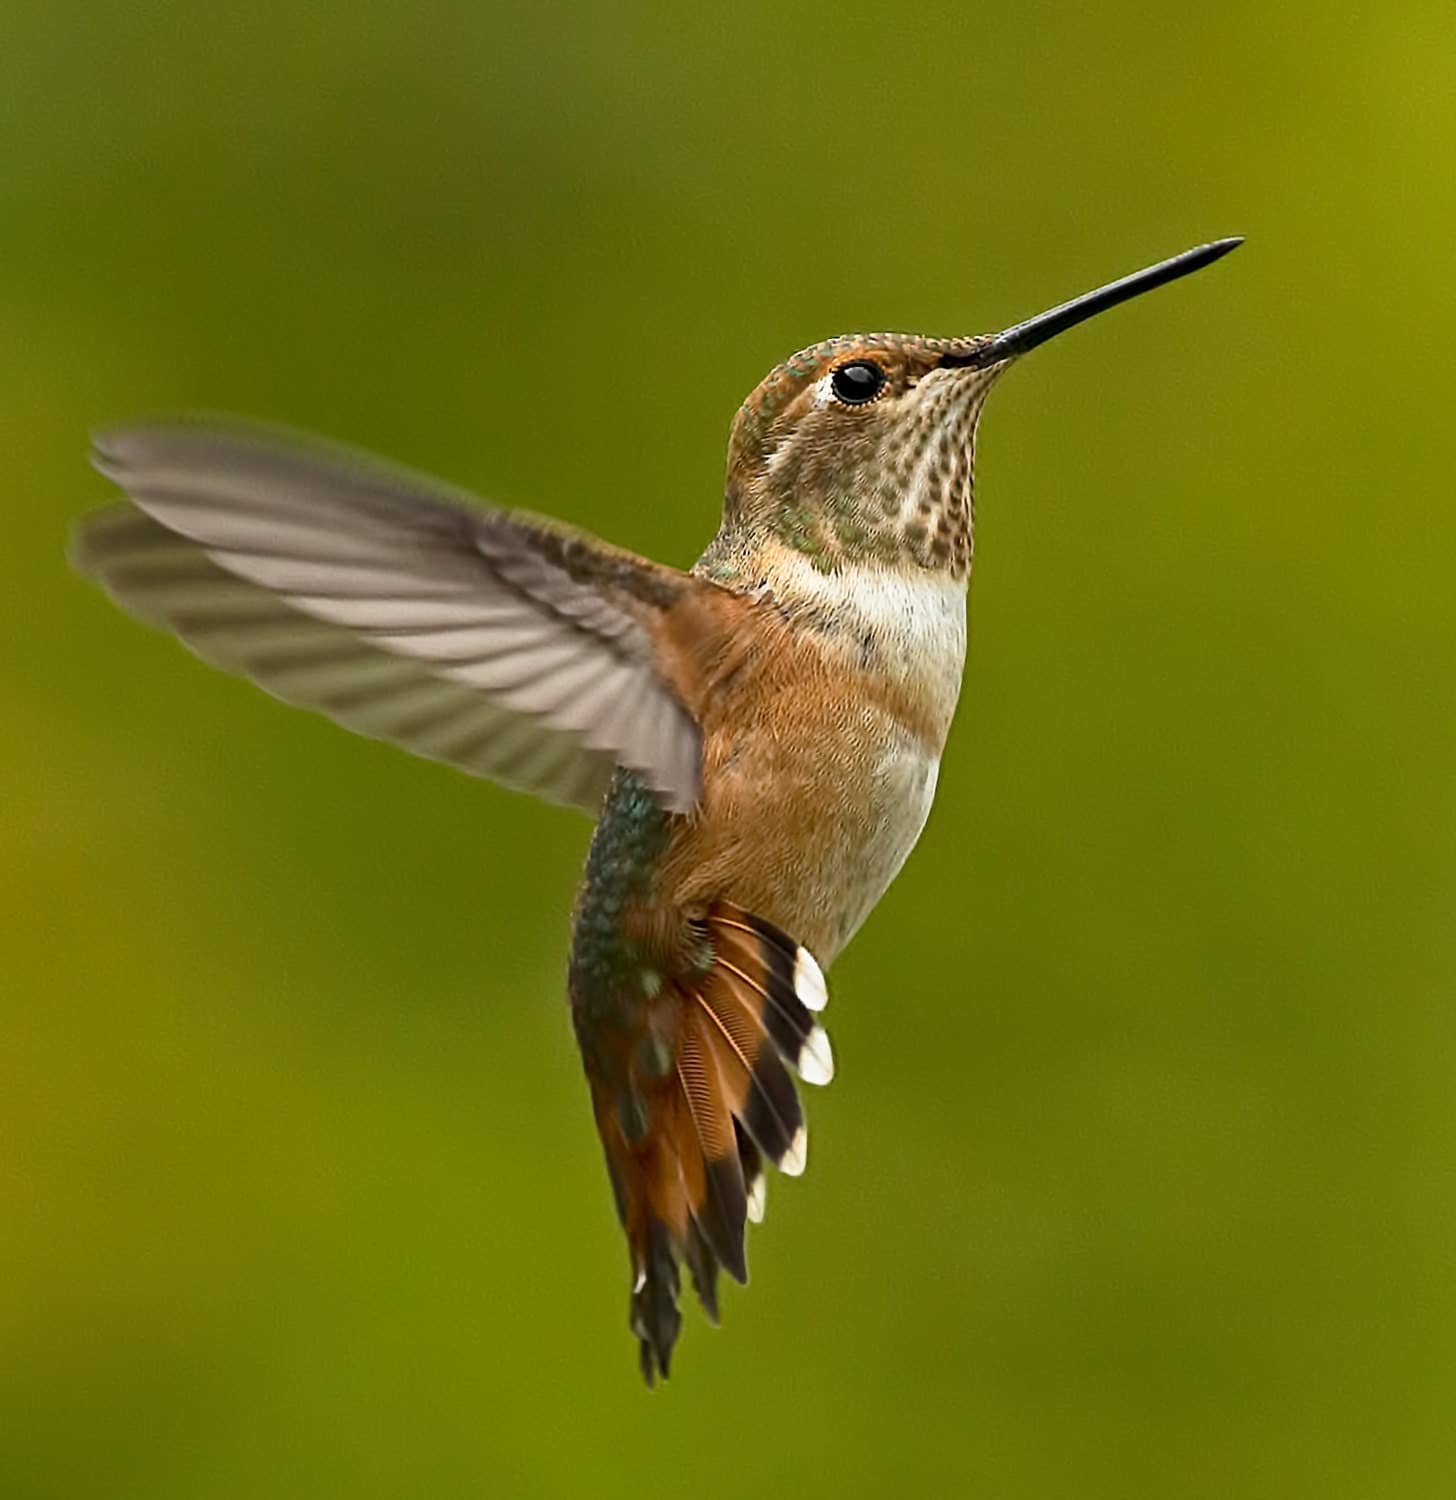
[{"x": 709, "y": 1101}]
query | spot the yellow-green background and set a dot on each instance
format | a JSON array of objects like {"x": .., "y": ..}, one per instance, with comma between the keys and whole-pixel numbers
[{"x": 1137, "y": 1177}]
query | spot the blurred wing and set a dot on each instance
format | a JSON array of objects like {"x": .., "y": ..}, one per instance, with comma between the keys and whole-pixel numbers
[{"x": 499, "y": 644}]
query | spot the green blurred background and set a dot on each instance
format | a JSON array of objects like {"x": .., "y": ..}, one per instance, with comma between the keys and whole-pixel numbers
[{"x": 1137, "y": 1178}]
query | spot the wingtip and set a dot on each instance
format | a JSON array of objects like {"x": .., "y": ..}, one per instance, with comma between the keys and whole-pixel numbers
[
  {"x": 108, "y": 451},
  {"x": 119, "y": 442},
  {"x": 126, "y": 445},
  {"x": 88, "y": 535},
  {"x": 78, "y": 547},
  {"x": 118, "y": 448}
]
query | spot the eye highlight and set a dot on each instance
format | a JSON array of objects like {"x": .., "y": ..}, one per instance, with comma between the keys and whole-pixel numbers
[{"x": 857, "y": 382}]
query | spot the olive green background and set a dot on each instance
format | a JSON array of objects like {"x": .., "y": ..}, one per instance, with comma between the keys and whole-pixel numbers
[{"x": 1137, "y": 1176}]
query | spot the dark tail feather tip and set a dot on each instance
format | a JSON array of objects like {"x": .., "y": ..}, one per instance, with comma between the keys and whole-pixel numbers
[
  {"x": 655, "y": 1318},
  {"x": 703, "y": 1265}
]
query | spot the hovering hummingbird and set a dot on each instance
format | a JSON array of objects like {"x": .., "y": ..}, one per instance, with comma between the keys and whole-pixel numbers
[{"x": 758, "y": 738}]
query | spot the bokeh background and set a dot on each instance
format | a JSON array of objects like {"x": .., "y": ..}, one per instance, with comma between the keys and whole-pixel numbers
[{"x": 1137, "y": 1178}]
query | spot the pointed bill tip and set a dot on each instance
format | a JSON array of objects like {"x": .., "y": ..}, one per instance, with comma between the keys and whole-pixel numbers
[
  {"x": 1202, "y": 255},
  {"x": 1025, "y": 336}
]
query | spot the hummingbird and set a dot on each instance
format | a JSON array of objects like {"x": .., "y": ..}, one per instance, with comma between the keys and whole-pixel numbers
[{"x": 758, "y": 738}]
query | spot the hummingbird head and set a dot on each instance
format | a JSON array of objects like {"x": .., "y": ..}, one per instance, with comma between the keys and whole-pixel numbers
[{"x": 861, "y": 449}]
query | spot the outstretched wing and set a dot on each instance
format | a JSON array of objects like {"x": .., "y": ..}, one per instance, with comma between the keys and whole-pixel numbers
[{"x": 495, "y": 642}]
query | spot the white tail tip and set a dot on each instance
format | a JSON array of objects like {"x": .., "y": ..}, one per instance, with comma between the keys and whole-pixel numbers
[
  {"x": 796, "y": 1158},
  {"x": 816, "y": 1058},
  {"x": 809, "y": 983}
]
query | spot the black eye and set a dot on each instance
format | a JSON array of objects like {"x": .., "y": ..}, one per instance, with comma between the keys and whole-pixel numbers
[{"x": 857, "y": 382}]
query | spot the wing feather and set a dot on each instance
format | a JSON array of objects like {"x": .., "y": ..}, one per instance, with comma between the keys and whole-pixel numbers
[{"x": 391, "y": 603}]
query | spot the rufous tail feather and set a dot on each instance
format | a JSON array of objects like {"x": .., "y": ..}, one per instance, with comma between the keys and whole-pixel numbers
[{"x": 692, "y": 1173}]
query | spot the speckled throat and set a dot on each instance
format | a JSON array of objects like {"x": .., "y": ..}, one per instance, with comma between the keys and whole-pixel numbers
[{"x": 885, "y": 480}]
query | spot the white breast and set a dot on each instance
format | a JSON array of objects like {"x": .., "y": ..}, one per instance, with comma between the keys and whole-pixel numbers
[
  {"x": 909, "y": 625},
  {"x": 910, "y": 628}
]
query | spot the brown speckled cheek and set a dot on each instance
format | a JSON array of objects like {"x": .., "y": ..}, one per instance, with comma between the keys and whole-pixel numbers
[{"x": 865, "y": 482}]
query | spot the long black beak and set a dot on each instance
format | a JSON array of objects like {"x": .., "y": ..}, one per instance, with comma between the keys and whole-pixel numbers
[{"x": 1047, "y": 325}]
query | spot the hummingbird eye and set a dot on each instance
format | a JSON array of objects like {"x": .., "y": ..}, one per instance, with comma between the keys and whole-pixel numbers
[{"x": 859, "y": 381}]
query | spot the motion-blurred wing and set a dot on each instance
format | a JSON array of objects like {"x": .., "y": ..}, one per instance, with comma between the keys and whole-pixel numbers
[{"x": 494, "y": 642}]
